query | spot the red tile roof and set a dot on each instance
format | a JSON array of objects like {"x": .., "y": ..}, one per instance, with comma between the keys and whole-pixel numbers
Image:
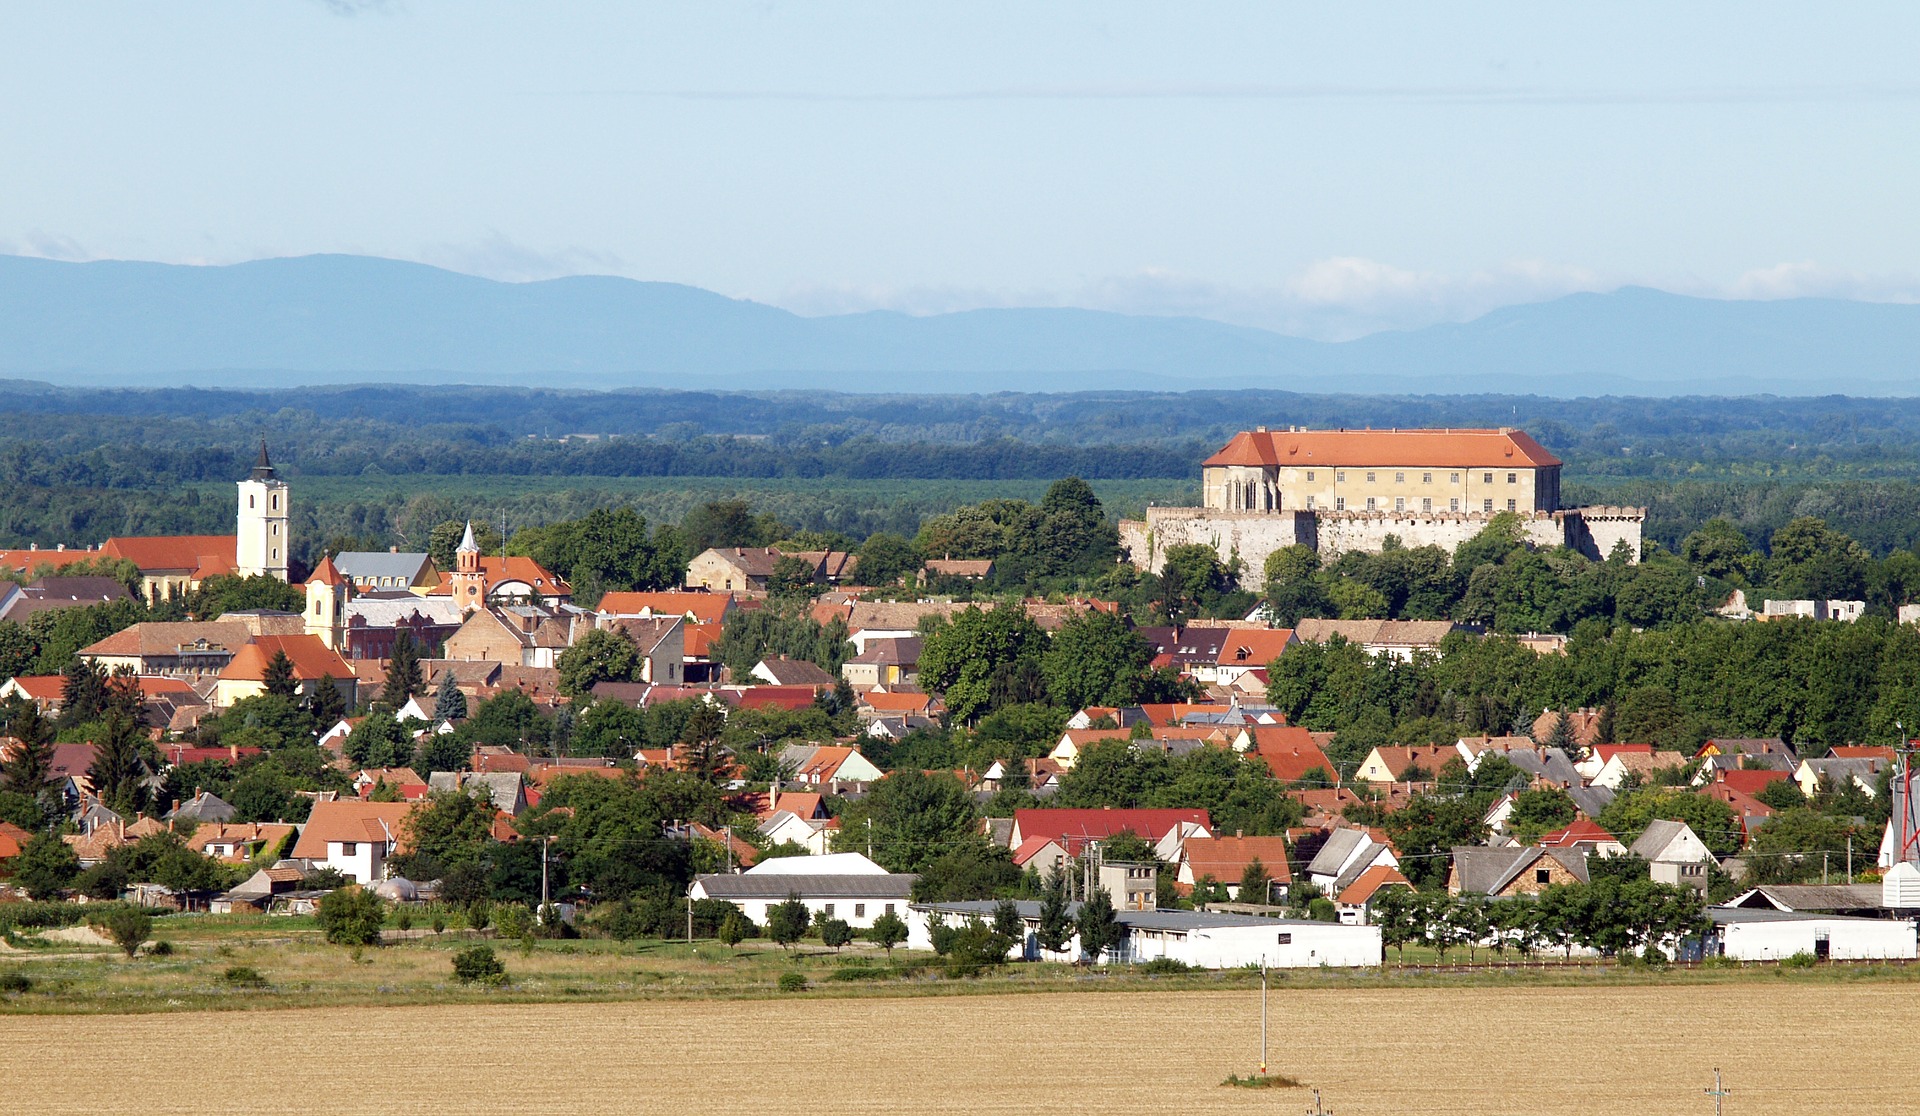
[
  {"x": 700, "y": 607},
  {"x": 1287, "y": 750},
  {"x": 1371, "y": 882},
  {"x": 1749, "y": 782},
  {"x": 311, "y": 659},
  {"x": 1254, "y": 646},
  {"x": 1075, "y": 825},
  {"x": 1439, "y": 449},
  {"x": 184, "y": 553},
  {"x": 1225, "y": 858},
  {"x": 1582, "y": 832},
  {"x": 349, "y": 820}
]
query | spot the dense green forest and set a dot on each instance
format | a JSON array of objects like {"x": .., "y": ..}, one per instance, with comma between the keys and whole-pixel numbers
[{"x": 386, "y": 464}]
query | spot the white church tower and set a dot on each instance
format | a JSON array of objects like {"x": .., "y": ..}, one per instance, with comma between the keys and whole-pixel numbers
[{"x": 261, "y": 545}]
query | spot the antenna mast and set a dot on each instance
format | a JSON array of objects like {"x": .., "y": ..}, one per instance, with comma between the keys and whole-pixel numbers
[{"x": 1718, "y": 1094}]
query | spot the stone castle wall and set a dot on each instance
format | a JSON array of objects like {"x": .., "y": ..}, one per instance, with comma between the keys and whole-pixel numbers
[{"x": 1252, "y": 536}]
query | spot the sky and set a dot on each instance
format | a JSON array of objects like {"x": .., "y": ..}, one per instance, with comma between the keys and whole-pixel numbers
[{"x": 1324, "y": 170}]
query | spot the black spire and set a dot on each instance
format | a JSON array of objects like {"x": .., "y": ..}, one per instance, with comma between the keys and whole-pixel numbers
[{"x": 264, "y": 470}]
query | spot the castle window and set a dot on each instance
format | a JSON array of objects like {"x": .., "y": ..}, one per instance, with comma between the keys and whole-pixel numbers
[
  {"x": 1486, "y": 505},
  {"x": 1487, "y": 479},
  {"x": 273, "y": 529},
  {"x": 1340, "y": 476},
  {"x": 1426, "y": 503},
  {"x": 276, "y": 554},
  {"x": 1369, "y": 503},
  {"x": 1513, "y": 478},
  {"x": 1426, "y": 478},
  {"x": 1309, "y": 503},
  {"x": 273, "y": 502},
  {"x": 1309, "y": 474},
  {"x": 1399, "y": 503},
  {"x": 1453, "y": 504},
  {"x": 1399, "y": 478},
  {"x": 1510, "y": 505},
  {"x": 1369, "y": 478},
  {"x": 1339, "y": 503},
  {"x": 1453, "y": 478}
]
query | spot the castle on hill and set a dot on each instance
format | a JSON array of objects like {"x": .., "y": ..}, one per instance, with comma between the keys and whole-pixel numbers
[{"x": 1343, "y": 490}]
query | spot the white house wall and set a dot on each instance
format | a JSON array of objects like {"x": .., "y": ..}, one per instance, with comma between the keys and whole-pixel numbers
[{"x": 1847, "y": 940}]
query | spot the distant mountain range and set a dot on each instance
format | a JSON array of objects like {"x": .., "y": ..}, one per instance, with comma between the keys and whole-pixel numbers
[{"x": 351, "y": 319}]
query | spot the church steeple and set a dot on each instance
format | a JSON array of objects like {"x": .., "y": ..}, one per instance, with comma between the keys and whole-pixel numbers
[
  {"x": 263, "y": 470},
  {"x": 262, "y": 545},
  {"x": 468, "y": 581}
]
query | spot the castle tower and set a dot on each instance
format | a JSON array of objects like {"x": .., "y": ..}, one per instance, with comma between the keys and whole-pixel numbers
[
  {"x": 261, "y": 544},
  {"x": 327, "y": 595},
  {"x": 468, "y": 581}
]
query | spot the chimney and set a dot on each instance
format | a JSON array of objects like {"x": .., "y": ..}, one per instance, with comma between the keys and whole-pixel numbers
[
  {"x": 393, "y": 550},
  {"x": 1239, "y": 833}
]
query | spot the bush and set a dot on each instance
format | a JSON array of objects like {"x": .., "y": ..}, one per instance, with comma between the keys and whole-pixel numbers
[
  {"x": 439, "y": 923},
  {"x": 243, "y": 976},
  {"x": 1801, "y": 960},
  {"x": 478, "y": 965},
  {"x": 404, "y": 920},
  {"x": 479, "y": 914},
  {"x": 975, "y": 947},
  {"x": 352, "y": 916},
  {"x": 161, "y": 948},
  {"x": 1166, "y": 966},
  {"x": 128, "y": 927},
  {"x": 15, "y": 982},
  {"x": 793, "y": 982}
]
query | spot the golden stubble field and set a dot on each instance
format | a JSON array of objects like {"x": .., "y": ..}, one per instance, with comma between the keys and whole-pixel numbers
[{"x": 1537, "y": 1051}]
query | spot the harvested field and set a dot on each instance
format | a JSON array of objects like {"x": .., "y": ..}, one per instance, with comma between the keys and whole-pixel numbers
[{"x": 1533, "y": 1051}]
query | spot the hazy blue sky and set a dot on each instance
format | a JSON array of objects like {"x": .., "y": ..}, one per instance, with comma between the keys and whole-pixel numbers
[{"x": 1317, "y": 168}]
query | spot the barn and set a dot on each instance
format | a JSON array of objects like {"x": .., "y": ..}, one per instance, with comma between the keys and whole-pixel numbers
[
  {"x": 1204, "y": 939},
  {"x": 1747, "y": 934}
]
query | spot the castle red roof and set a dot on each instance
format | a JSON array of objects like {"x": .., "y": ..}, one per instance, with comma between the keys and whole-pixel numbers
[{"x": 1436, "y": 449}]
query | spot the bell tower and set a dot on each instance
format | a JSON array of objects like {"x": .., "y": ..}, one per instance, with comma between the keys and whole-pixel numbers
[
  {"x": 261, "y": 542},
  {"x": 328, "y": 592},
  {"x": 468, "y": 581}
]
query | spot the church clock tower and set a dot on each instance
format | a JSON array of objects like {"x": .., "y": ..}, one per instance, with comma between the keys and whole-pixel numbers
[
  {"x": 261, "y": 544},
  {"x": 468, "y": 581}
]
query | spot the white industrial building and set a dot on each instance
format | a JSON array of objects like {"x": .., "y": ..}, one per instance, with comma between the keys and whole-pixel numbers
[
  {"x": 845, "y": 886},
  {"x": 1747, "y": 934},
  {"x": 1200, "y": 938}
]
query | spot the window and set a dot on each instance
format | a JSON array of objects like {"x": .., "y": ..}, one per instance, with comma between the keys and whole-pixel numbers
[
  {"x": 273, "y": 529},
  {"x": 1542, "y": 875},
  {"x": 1399, "y": 503},
  {"x": 1453, "y": 504},
  {"x": 1339, "y": 503},
  {"x": 1513, "y": 478},
  {"x": 1399, "y": 478},
  {"x": 826, "y": 910},
  {"x": 349, "y": 848},
  {"x": 1369, "y": 503},
  {"x": 1426, "y": 503},
  {"x": 1340, "y": 476},
  {"x": 273, "y": 502},
  {"x": 1309, "y": 503},
  {"x": 1486, "y": 505},
  {"x": 889, "y": 908},
  {"x": 1309, "y": 474},
  {"x": 1486, "y": 478},
  {"x": 1453, "y": 478},
  {"x": 859, "y": 910},
  {"x": 1286, "y": 939},
  {"x": 1369, "y": 478},
  {"x": 1426, "y": 478},
  {"x": 249, "y": 499},
  {"x": 1510, "y": 505}
]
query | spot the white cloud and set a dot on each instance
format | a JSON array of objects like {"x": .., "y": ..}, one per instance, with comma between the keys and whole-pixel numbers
[
  {"x": 497, "y": 256},
  {"x": 1806, "y": 279},
  {"x": 46, "y": 246}
]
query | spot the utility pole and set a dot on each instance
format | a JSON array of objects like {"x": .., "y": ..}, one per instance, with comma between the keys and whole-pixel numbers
[
  {"x": 1717, "y": 1093},
  {"x": 1318, "y": 1109},
  {"x": 545, "y": 844},
  {"x": 1263, "y": 1020},
  {"x": 1849, "y": 858}
]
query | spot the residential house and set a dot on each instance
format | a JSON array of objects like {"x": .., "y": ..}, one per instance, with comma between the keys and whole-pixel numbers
[
  {"x": 1815, "y": 774},
  {"x": 1354, "y": 905},
  {"x": 1398, "y": 639},
  {"x": 355, "y": 839},
  {"x": 1674, "y": 855},
  {"x": 662, "y": 643},
  {"x": 1502, "y": 873},
  {"x": 1743, "y": 934},
  {"x": 1585, "y": 835},
  {"x": 1202, "y": 939},
  {"x": 1246, "y": 649},
  {"x": 48, "y": 594},
  {"x": 695, "y": 608},
  {"x": 1404, "y": 763},
  {"x": 879, "y": 704},
  {"x": 845, "y": 886},
  {"x": 1344, "y": 855},
  {"x": 871, "y": 620},
  {"x": 203, "y": 808},
  {"x": 960, "y": 569},
  {"x": 245, "y": 675},
  {"x": 1288, "y": 751},
  {"x": 884, "y": 662},
  {"x": 1844, "y": 611},
  {"x": 1618, "y": 768},
  {"x": 782, "y": 671},
  {"x": 239, "y": 842},
  {"x": 1583, "y": 723},
  {"x": 1226, "y": 859},
  {"x": 817, "y": 765},
  {"x": 732, "y": 569},
  {"x": 1165, "y": 829},
  {"x": 505, "y": 790},
  {"x": 521, "y": 635},
  {"x": 1046, "y": 855},
  {"x": 792, "y": 826}
]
